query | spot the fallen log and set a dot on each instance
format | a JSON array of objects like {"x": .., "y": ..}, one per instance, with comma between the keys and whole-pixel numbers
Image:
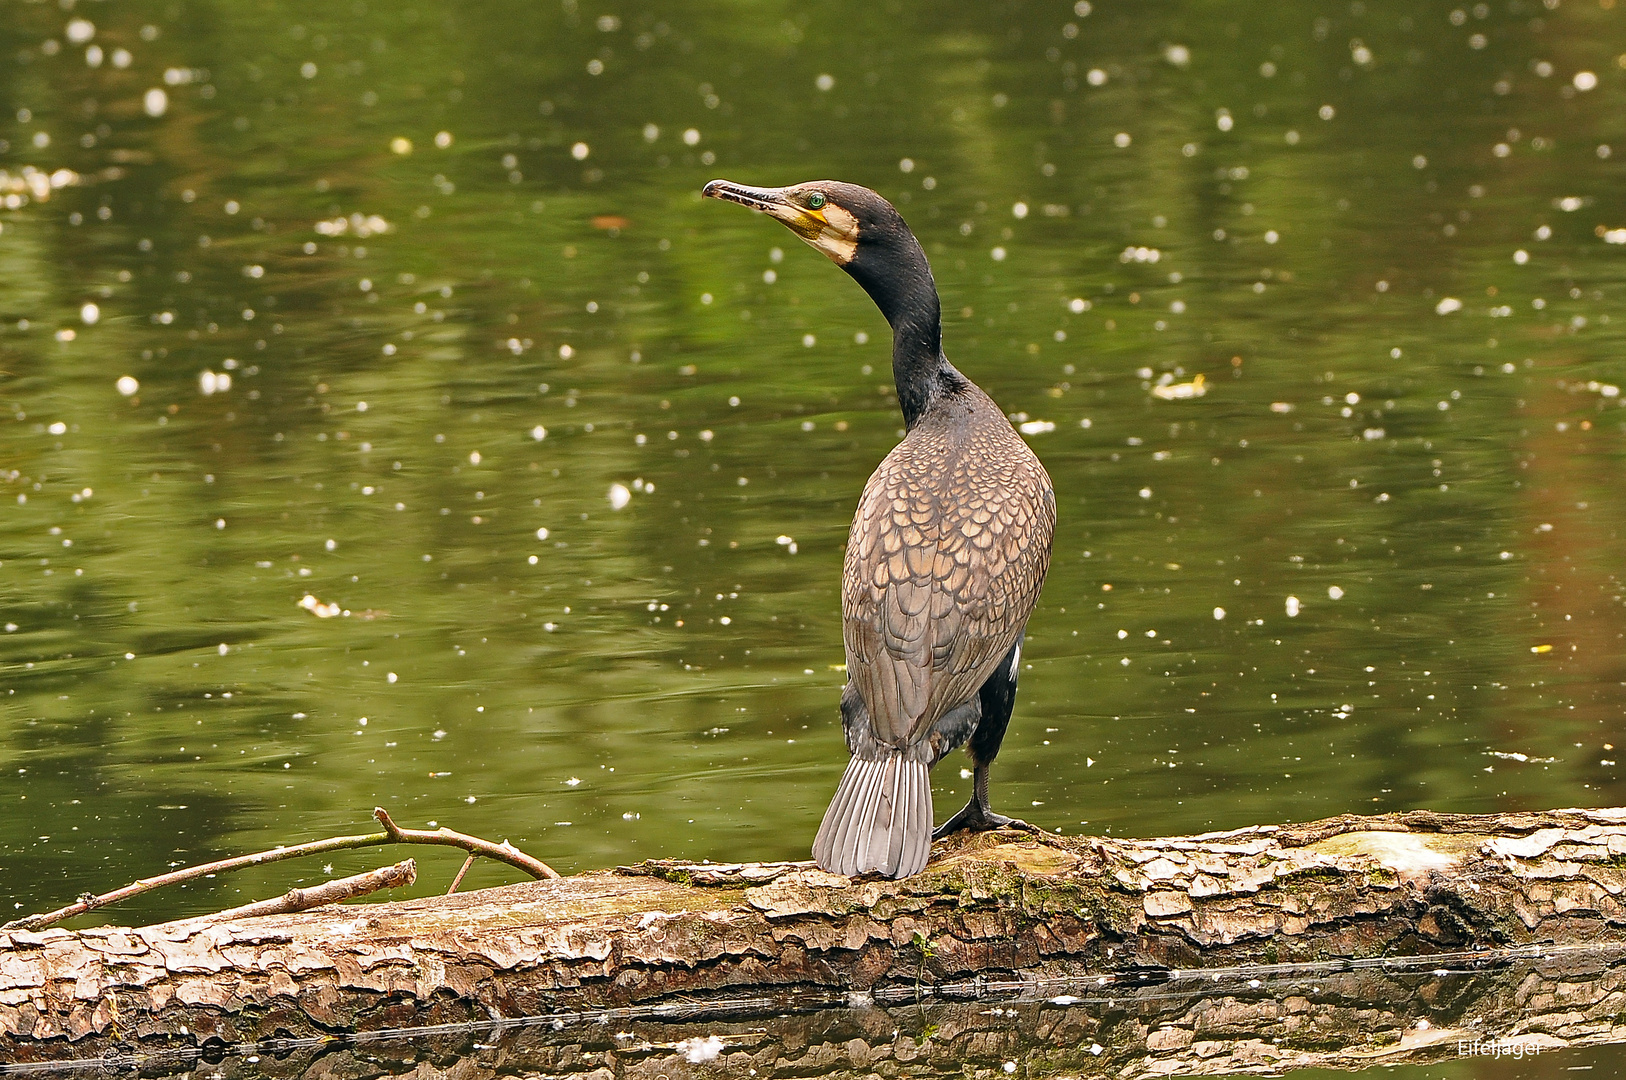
[{"x": 1001, "y": 914}]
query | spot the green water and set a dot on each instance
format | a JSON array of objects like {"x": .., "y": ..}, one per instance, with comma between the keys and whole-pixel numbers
[{"x": 1313, "y": 180}]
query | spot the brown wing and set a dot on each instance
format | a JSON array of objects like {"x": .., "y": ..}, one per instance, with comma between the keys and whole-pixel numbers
[{"x": 946, "y": 557}]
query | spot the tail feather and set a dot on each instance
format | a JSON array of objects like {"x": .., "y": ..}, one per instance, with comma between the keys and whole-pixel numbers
[{"x": 880, "y": 819}]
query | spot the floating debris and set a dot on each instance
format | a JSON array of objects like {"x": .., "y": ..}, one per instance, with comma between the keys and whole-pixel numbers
[
  {"x": 786, "y": 542},
  {"x": 1292, "y": 607},
  {"x": 698, "y": 1051},
  {"x": 212, "y": 382},
  {"x": 1036, "y": 427},
  {"x": 361, "y": 225},
  {"x": 1447, "y": 306},
  {"x": 619, "y": 496},
  {"x": 319, "y": 609},
  {"x": 1511, "y": 755},
  {"x": 1196, "y": 388},
  {"x": 16, "y": 189}
]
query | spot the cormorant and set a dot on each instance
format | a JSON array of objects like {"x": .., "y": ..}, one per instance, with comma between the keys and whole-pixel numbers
[{"x": 947, "y": 553}]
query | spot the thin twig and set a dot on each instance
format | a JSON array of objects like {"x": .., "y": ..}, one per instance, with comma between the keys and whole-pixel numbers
[
  {"x": 392, "y": 834},
  {"x": 458, "y": 880},
  {"x": 402, "y": 873},
  {"x": 503, "y": 852}
]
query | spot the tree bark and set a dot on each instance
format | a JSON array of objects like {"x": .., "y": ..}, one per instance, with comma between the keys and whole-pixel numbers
[{"x": 1186, "y": 937}]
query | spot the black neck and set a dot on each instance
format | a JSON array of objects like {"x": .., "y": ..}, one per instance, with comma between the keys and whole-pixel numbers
[{"x": 899, "y": 280}]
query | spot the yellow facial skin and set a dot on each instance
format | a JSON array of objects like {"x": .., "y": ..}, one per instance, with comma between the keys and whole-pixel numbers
[{"x": 829, "y": 228}]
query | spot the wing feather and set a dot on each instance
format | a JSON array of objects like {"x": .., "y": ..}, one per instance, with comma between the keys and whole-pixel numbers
[{"x": 947, "y": 554}]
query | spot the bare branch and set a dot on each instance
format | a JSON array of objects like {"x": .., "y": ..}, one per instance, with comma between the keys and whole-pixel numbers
[
  {"x": 503, "y": 852},
  {"x": 392, "y": 834},
  {"x": 402, "y": 873}
]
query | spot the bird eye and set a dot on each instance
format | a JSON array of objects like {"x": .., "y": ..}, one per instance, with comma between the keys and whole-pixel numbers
[{"x": 815, "y": 201}]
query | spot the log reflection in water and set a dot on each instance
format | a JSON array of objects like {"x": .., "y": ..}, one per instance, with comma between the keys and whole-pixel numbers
[{"x": 1519, "y": 1002}]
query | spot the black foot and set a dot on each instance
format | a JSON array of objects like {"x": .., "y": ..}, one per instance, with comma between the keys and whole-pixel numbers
[{"x": 976, "y": 817}]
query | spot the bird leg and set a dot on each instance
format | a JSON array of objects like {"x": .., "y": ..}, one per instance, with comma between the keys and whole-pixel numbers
[{"x": 976, "y": 816}]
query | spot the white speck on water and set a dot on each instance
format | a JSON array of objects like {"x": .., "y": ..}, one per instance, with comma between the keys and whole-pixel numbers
[
  {"x": 906, "y": 165},
  {"x": 1078, "y": 305},
  {"x": 808, "y": 341},
  {"x": 127, "y": 385},
  {"x": 542, "y": 534},
  {"x": 308, "y": 70},
  {"x": 965, "y": 774},
  {"x": 331, "y": 545},
  {"x": 1037, "y": 427},
  {"x": 707, "y": 435},
  {"x": 155, "y": 102},
  {"x": 1447, "y": 306},
  {"x": 1146, "y": 493},
  {"x": 1096, "y": 77},
  {"x": 1326, "y": 112},
  {"x": 1585, "y": 80},
  {"x": 573, "y": 781},
  {"x": 400, "y": 145},
  {"x": 1334, "y": 592},
  {"x": 220, "y": 523},
  {"x": 770, "y": 276},
  {"x": 998, "y": 254},
  {"x": 786, "y": 542},
  {"x": 825, "y": 82},
  {"x": 79, "y": 31},
  {"x": 1569, "y": 204},
  {"x": 1521, "y": 257},
  {"x": 89, "y": 314},
  {"x": 1271, "y": 236},
  {"x": 580, "y": 150},
  {"x": 1019, "y": 211},
  {"x": 210, "y": 382},
  {"x": 1121, "y": 140},
  {"x": 619, "y": 496},
  {"x": 691, "y": 137},
  {"x": 1178, "y": 55},
  {"x": 1219, "y": 613},
  {"x": 1292, "y": 607},
  {"x": 443, "y": 139},
  {"x": 1223, "y": 119}
]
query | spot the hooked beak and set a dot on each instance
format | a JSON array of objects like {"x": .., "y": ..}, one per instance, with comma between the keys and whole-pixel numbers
[{"x": 831, "y": 229}]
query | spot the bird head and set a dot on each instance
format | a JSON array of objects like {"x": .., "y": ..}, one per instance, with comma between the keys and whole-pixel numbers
[
  {"x": 864, "y": 235},
  {"x": 837, "y": 219}
]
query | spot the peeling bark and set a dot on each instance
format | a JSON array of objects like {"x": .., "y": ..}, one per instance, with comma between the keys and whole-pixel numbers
[{"x": 992, "y": 914}]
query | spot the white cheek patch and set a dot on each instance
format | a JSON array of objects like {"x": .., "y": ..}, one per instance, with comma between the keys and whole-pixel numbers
[{"x": 839, "y": 238}]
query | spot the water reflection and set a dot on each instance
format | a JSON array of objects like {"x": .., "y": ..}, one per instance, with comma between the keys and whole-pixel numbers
[
  {"x": 1548, "y": 1013},
  {"x": 413, "y": 310}
]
